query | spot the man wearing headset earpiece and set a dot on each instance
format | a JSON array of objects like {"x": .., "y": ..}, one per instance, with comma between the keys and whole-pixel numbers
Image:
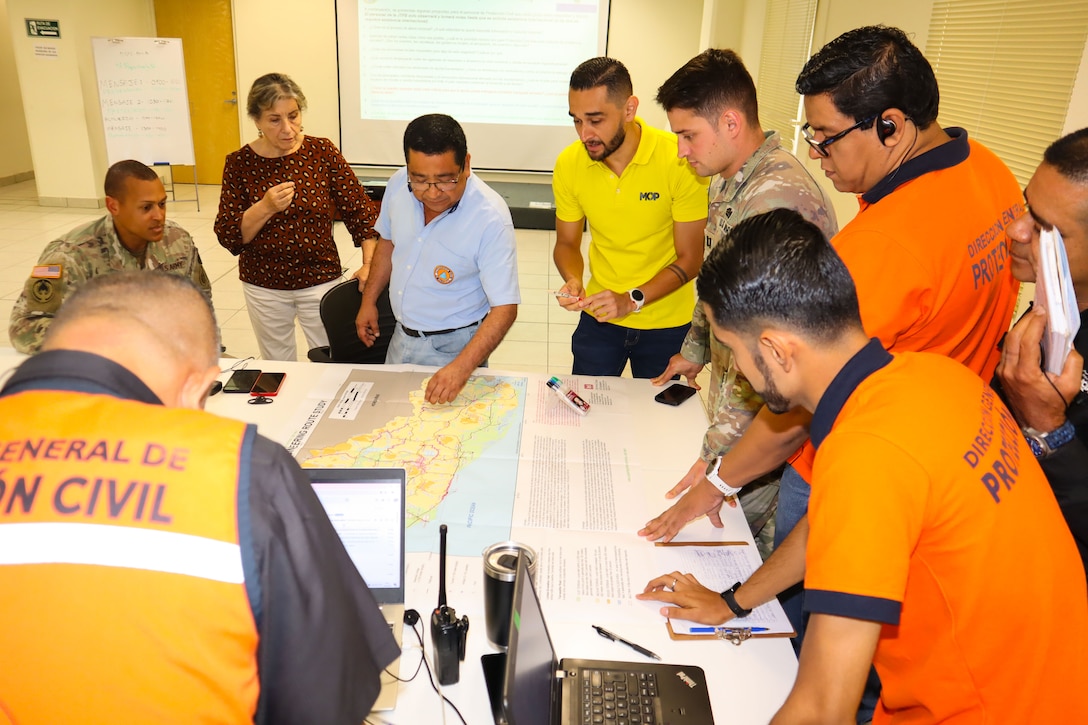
[{"x": 927, "y": 252}]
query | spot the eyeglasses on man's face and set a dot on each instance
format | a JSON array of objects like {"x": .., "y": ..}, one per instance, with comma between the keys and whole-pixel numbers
[
  {"x": 821, "y": 146},
  {"x": 444, "y": 185}
]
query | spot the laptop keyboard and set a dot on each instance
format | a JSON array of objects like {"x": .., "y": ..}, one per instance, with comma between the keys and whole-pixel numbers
[{"x": 619, "y": 698}]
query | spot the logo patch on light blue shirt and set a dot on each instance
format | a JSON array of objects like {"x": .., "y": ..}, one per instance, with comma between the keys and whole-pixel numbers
[{"x": 443, "y": 274}]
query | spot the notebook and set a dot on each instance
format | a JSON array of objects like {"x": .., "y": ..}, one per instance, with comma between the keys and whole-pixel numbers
[
  {"x": 366, "y": 507},
  {"x": 536, "y": 689}
]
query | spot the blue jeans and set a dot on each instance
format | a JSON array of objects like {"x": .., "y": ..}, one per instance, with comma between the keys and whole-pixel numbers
[
  {"x": 793, "y": 495},
  {"x": 601, "y": 348},
  {"x": 436, "y": 350}
]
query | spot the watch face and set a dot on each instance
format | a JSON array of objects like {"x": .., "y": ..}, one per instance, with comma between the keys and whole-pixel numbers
[
  {"x": 1044, "y": 444},
  {"x": 1036, "y": 447},
  {"x": 637, "y": 295}
]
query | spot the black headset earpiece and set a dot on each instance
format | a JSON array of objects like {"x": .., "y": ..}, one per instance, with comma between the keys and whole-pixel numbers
[
  {"x": 411, "y": 616},
  {"x": 884, "y": 129}
]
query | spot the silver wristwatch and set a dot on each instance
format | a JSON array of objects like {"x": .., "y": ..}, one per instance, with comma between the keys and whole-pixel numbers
[{"x": 1044, "y": 444}]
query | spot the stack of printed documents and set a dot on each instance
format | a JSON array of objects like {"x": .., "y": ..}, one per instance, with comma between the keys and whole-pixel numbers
[{"x": 1054, "y": 294}]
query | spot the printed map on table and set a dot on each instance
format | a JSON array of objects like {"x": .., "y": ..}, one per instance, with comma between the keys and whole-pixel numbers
[{"x": 461, "y": 458}]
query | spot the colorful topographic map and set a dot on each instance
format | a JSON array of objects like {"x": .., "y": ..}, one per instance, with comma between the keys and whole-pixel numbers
[{"x": 460, "y": 458}]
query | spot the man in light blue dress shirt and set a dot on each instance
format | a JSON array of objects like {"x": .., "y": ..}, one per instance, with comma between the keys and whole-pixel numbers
[{"x": 447, "y": 253}]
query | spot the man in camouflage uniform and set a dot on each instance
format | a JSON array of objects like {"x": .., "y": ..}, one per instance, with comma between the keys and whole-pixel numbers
[
  {"x": 711, "y": 104},
  {"x": 135, "y": 235}
]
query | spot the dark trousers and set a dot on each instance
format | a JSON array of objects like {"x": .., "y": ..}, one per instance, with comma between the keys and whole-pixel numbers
[{"x": 601, "y": 348}]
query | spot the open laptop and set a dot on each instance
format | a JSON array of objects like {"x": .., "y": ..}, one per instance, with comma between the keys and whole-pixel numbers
[
  {"x": 366, "y": 507},
  {"x": 539, "y": 690}
]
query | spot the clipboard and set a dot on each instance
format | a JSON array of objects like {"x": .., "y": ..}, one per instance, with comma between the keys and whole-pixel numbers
[
  {"x": 718, "y": 565},
  {"x": 734, "y": 635}
]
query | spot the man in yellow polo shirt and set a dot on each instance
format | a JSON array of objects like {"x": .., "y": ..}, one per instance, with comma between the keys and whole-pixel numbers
[{"x": 646, "y": 210}]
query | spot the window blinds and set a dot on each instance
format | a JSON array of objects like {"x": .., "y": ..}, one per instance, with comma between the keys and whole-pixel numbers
[
  {"x": 1006, "y": 70},
  {"x": 787, "y": 45}
]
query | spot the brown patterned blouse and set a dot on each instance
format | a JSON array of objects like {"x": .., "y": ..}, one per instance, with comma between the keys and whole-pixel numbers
[{"x": 295, "y": 248}]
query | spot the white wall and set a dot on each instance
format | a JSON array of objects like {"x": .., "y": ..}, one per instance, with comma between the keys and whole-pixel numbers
[
  {"x": 835, "y": 17},
  {"x": 60, "y": 94},
  {"x": 15, "y": 163},
  {"x": 726, "y": 24},
  {"x": 653, "y": 38},
  {"x": 299, "y": 39},
  {"x": 751, "y": 34},
  {"x": 1077, "y": 116}
]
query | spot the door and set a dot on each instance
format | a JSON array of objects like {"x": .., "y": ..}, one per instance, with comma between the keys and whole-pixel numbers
[{"x": 207, "y": 37}]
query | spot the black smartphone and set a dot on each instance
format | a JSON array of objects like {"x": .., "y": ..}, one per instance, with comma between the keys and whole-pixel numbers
[
  {"x": 268, "y": 384},
  {"x": 241, "y": 381},
  {"x": 675, "y": 394}
]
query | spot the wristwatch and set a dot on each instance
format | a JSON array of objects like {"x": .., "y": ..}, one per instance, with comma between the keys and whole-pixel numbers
[
  {"x": 1044, "y": 444},
  {"x": 638, "y": 297},
  {"x": 731, "y": 601},
  {"x": 712, "y": 476}
]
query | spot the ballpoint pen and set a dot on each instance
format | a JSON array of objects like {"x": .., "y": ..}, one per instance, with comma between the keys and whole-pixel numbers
[{"x": 616, "y": 638}]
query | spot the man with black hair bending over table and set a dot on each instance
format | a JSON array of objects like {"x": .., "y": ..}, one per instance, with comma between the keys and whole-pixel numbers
[{"x": 447, "y": 253}]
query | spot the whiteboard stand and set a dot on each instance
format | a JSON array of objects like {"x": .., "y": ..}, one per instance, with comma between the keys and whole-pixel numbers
[{"x": 165, "y": 170}]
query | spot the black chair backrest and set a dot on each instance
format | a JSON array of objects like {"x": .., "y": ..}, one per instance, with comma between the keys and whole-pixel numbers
[{"x": 338, "y": 309}]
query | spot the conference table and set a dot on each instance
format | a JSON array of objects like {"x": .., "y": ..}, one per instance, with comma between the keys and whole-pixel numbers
[{"x": 748, "y": 682}]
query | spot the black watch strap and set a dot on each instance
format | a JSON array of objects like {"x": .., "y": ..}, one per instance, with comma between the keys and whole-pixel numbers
[{"x": 731, "y": 601}]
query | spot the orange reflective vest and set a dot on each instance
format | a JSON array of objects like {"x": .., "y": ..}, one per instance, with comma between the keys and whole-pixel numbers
[{"x": 122, "y": 595}]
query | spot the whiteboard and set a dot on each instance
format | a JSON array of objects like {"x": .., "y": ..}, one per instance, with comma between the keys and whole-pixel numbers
[{"x": 144, "y": 101}]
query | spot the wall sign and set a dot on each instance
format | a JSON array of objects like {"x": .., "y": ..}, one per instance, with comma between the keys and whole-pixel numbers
[{"x": 42, "y": 28}]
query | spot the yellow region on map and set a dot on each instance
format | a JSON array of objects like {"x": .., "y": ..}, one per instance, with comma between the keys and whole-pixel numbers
[{"x": 433, "y": 443}]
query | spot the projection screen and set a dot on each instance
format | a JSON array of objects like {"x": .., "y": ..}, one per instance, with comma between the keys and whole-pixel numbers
[{"x": 500, "y": 67}]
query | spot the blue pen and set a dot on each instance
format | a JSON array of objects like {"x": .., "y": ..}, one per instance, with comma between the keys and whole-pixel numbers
[{"x": 712, "y": 630}]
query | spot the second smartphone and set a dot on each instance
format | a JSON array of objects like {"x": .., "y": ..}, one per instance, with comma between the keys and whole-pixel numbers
[
  {"x": 675, "y": 394},
  {"x": 268, "y": 384},
  {"x": 241, "y": 381}
]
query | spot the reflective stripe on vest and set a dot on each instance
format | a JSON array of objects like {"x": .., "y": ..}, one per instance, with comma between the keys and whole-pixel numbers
[{"x": 62, "y": 543}]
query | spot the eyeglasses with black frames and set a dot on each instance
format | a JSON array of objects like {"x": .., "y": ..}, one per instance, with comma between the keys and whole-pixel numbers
[
  {"x": 821, "y": 146},
  {"x": 444, "y": 185}
]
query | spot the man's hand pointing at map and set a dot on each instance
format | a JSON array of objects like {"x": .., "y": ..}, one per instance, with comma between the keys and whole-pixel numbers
[{"x": 447, "y": 382}]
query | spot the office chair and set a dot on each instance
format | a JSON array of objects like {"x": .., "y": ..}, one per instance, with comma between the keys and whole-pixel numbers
[{"x": 338, "y": 309}]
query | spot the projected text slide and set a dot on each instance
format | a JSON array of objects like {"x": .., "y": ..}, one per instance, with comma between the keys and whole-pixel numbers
[{"x": 491, "y": 61}]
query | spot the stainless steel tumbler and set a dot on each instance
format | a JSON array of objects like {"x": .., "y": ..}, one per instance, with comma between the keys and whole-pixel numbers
[{"x": 500, "y": 567}]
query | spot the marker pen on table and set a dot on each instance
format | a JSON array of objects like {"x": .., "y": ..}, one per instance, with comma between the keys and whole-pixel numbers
[{"x": 569, "y": 397}]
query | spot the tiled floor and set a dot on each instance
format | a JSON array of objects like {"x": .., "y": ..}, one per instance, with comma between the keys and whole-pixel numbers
[{"x": 538, "y": 342}]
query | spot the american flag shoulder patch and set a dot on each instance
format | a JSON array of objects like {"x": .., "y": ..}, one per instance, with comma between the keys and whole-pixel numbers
[{"x": 46, "y": 271}]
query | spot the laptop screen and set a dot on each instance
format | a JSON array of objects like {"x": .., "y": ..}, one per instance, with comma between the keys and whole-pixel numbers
[
  {"x": 530, "y": 659},
  {"x": 366, "y": 507}
]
